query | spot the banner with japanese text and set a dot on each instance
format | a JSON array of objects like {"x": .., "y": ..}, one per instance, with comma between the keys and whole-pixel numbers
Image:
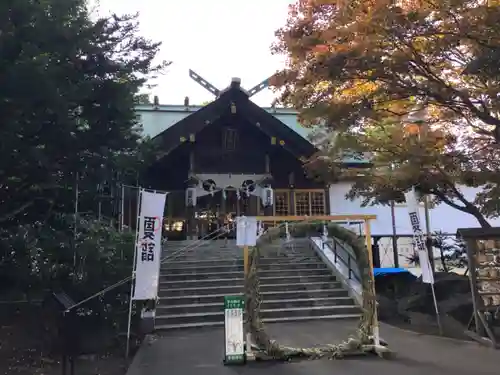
[
  {"x": 148, "y": 246},
  {"x": 419, "y": 241}
]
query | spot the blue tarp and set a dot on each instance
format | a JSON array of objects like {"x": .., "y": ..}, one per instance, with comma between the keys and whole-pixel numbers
[{"x": 386, "y": 271}]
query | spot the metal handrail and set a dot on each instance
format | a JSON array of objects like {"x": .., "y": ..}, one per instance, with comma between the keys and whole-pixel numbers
[{"x": 345, "y": 256}]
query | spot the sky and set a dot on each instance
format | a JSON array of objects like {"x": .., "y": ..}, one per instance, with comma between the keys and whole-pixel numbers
[{"x": 218, "y": 39}]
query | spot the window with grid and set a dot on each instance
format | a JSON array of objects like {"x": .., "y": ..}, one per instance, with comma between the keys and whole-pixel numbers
[
  {"x": 309, "y": 203},
  {"x": 317, "y": 203},
  {"x": 281, "y": 203},
  {"x": 302, "y": 203}
]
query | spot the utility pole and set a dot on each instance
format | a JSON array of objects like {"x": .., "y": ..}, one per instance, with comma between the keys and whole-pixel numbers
[
  {"x": 394, "y": 236},
  {"x": 395, "y": 254}
]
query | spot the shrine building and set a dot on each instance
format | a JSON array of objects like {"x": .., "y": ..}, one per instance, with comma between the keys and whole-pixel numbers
[{"x": 233, "y": 156}]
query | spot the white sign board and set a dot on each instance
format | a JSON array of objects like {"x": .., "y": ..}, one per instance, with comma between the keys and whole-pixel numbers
[
  {"x": 233, "y": 326},
  {"x": 148, "y": 246},
  {"x": 419, "y": 238},
  {"x": 246, "y": 231}
]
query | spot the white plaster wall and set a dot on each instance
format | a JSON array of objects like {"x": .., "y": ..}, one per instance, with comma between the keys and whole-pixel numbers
[
  {"x": 442, "y": 217},
  {"x": 155, "y": 122}
]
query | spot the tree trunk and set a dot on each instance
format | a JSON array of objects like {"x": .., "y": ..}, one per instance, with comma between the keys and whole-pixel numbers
[
  {"x": 467, "y": 207},
  {"x": 473, "y": 210}
]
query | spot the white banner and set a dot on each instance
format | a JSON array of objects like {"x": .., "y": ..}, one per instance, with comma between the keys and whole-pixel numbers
[
  {"x": 246, "y": 231},
  {"x": 148, "y": 247},
  {"x": 418, "y": 237}
]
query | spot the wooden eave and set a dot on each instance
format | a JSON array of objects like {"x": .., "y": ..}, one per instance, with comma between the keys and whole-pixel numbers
[{"x": 286, "y": 138}]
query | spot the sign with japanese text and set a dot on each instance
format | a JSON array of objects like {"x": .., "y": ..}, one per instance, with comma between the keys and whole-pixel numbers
[
  {"x": 148, "y": 246},
  {"x": 233, "y": 327}
]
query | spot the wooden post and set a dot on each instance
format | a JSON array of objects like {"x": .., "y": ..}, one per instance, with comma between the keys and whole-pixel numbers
[
  {"x": 368, "y": 239},
  {"x": 395, "y": 253},
  {"x": 245, "y": 261}
]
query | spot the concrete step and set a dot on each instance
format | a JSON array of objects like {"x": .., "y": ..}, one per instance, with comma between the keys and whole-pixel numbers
[
  {"x": 215, "y": 256},
  {"x": 194, "y": 267},
  {"x": 232, "y": 261},
  {"x": 300, "y": 286},
  {"x": 278, "y": 313},
  {"x": 175, "y": 263},
  {"x": 224, "y": 290},
  {"x": 200, "y": 251},
  {"x": 168, "y": 327},
  {"x": 295, "y": 285},
  {"x": 176, "y": 284},
  {"x": 276, "y": 280},
  {"x": 167, "y": 276},
  {"x": 235, "y": 288},
  {"x": 207, "y": 257},
  {"x": 168, "y": 309},
  {"x": 217, "y": 298}
]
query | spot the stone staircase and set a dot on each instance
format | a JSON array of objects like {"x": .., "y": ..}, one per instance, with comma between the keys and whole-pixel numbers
[{"x": 295, "y": 285}]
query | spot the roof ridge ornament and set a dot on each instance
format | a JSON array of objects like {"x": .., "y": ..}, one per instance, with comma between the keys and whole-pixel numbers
[{"x": 235, "y": 82}]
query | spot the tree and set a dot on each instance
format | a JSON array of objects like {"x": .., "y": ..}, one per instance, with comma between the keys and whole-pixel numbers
[
  {"x": 68, "y": 87},
  {"x": 432, "y": 160},
  {"x": 363, "y": 68}
]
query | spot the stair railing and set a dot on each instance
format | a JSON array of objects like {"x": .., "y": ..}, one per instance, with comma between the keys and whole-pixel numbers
[
  {"x": 216, "y": 234},
  {"x": 344, "y": 255}
]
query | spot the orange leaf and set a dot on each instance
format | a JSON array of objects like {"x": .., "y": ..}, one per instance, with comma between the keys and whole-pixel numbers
[{"x": 321, "y": 48}]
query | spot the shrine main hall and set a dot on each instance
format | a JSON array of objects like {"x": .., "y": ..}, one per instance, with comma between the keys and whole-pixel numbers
[{"x": 230, "y": 157}]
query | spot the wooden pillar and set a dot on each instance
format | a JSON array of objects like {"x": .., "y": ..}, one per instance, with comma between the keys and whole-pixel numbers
[
  {"x": 191, "y": 223},
  {"x": 191, "y": 232},
  {"x": 253, "y": 206},
  {"x": 291, "y": 201},
  {"x": 222, "y": 204},
  {"x": 328, "y": 208},
  {"x": 268, "y": 210}
]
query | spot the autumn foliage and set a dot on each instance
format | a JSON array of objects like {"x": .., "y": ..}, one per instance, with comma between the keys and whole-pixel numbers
[{"x": 366, "y": 69}]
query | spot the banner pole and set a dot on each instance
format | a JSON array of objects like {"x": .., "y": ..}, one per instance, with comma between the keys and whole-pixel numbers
[
  {"x": 438, "y": 317},
  {"x": 422, "y": 249},
  {"x": 129, "y": 324},
  {"x": 122, "y": 208},
  {"x": 76, "y": 219}
]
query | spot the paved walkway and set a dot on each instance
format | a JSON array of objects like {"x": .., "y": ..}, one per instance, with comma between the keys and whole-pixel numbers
[{"x": 200, "y": 352}]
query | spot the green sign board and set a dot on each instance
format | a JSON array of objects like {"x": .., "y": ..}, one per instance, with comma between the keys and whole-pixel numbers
[{"x": 233, "y": 327}]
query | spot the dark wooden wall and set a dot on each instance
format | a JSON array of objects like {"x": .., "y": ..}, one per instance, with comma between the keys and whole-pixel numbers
[{"x": 210, "y": 156}]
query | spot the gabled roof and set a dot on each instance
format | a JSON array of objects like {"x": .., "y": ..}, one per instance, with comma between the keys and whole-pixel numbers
[{"x": 180, "y": 132}]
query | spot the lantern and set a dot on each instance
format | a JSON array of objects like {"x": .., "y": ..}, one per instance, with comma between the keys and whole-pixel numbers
[
  {"x": 191, "y": 197},
  {"x": 267, "y": 196}
]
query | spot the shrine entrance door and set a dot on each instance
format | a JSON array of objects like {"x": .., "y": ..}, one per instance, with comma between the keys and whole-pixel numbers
[{"x": 211, "y": 210}]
